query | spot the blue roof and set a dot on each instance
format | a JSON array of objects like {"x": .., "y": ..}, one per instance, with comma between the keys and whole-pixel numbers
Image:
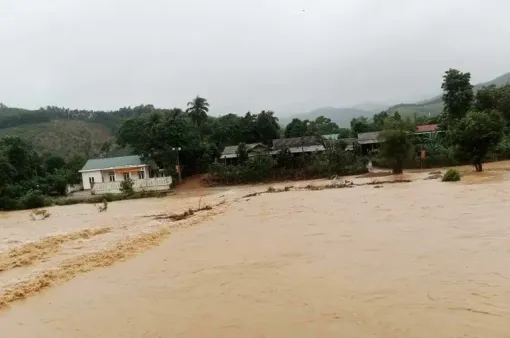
[{"x": 111, "y": 162}]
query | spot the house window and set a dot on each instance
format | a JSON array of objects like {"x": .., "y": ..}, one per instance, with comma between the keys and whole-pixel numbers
[
  {"x": 112, "y": 176},
  {"x": 141, "y": 175},
  {"x": 91, "y": 180},
  {"x": 126, "y": 176}
]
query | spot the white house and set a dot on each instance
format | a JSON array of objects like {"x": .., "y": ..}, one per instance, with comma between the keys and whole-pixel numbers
[{"x": 104, "y": 175}]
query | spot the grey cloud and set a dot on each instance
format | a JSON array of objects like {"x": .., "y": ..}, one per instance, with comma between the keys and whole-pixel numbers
[{"x": 285, "y": 55}]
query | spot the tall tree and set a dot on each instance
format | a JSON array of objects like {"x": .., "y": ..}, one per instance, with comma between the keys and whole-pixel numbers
[
  {"x": 226, "y": 130},
  {"x": 197, "y": 110},
  {"x": 54, "y": 163},
  {"x": 457, "y": 94},
  {"x": 361, "y": 125},
  {"x": 296, "y": 128},
  {"x": 267, "y": 127},
  {"x": 477, "y": 133},
  {"x": 22, "y": 157},
  {"x": 322, "y": 126},
  {"x": 249, "y": 128},
  {"x": 379, "y": 119},
  {"x": 157, "y": 134},
  {"x": 492, "y": 97},
  {"x": 74, "y": 165},
  {"x": 397, "y": 142}
]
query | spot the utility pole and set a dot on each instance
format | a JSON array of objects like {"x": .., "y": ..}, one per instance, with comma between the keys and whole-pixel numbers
[{"x": 178, "y": 164}]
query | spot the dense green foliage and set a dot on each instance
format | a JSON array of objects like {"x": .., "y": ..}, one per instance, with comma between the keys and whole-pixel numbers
[
  {"x": 255, "y": 169},
  {"x": 397, "y": 142},
  {"x": 263, "y": 168},
  {"x": 434, "y": 106},
  {"x": 156, "y": 135},
  {"x": 451, "y": 175},
  {"x": 474, "y": 128},
  {"x": 457, "y": 94},
  {"x": 494, "y": 98},
  {"x": 197, "y": 111},
  {"x": 66, "y": 132},
  {"x": 296, "y": 128},
  {"x": 320, "y": 126},
  {"x": 477, "y": 133},
  {"x": 362, "y": 125},
  {"x": 232, "y": 129},
  {"x": 473, "y": 124},
  {"x": 126, "y": 186},
  {"x": 26, "y": 178},
  {"x": 66, "y": 138}
]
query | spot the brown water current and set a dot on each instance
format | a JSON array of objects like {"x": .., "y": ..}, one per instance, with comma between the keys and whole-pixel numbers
[{"x": 419, "y": 259}]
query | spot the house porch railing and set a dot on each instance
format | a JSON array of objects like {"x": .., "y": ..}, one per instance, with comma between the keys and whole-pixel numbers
[{"x": 150, "y": 184}]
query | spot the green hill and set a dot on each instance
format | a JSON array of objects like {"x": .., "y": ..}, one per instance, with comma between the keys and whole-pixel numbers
[
  {"x": 68, "y": 132},
  {"x": 89, "y": 133},
  {"x": 10, "y": 111},
  {"x": 434, "y": 106},
  {"x": 343, "y": 116},
  {"x": 63, "y": 137}
]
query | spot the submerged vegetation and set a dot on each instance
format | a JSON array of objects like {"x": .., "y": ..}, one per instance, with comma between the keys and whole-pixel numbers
[
  {"x": 39, "y": 214},
  {"x": 451, "y": 175}
]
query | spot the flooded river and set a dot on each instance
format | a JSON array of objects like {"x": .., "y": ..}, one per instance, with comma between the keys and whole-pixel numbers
[{"x": 419, "y": 259}]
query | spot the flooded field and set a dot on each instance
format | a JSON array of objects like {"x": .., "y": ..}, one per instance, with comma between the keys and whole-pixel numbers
[{"x": 418, "y": 259}]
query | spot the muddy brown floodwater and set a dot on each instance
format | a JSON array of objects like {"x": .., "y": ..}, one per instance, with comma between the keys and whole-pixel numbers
[{"x": 419, "y": 259}]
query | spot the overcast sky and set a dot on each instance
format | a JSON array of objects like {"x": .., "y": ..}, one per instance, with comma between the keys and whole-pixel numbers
[{"x": 286, "y": 55}]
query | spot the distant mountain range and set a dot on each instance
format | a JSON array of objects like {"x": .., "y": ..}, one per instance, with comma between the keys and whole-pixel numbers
[
  {"x": 86, "y": 133},
  {"x": 343, "y": 116},
  {"x": 434, "y": 106}
]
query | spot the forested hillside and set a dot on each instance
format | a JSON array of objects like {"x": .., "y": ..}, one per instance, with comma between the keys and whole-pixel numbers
[
  {"x": 67, "y": 132},
  {"x": 434, "y": 106},
  {"x": 63, "y": 137}
]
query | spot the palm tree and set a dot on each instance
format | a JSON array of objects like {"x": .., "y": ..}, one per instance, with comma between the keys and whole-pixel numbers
[{"x": 197, "y": 110}]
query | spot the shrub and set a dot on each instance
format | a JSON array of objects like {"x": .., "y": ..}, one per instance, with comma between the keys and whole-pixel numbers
[
  {"x": 103, "y": 207},
  {"x": 34, "y": 199},
  {"x": 255, "y": 169},
  {"x": 451, "y": 175},
  {"x": 355, "y": 169},
  {"x": 263, "y": 168},
  {"x": 126, "y": 187},
  {"x": 398, "y": 143},
  {"x": 39, "y": 214},
  {"x": 437, "y": 155},
  {"x": 502, "y": 150}
]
